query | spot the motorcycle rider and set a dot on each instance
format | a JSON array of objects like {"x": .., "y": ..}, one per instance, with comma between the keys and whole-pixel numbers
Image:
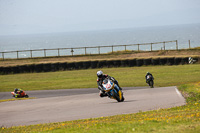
[
  {"x": 148, "y": 73},
  {"x": 100, "y": 79},
  {"x": 18, "y": 92}
]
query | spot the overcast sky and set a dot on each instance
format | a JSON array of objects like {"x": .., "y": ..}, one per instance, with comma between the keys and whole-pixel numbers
[{"x": 44, "y": 16}]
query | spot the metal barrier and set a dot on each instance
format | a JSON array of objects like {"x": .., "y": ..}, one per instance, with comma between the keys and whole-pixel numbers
[{"x": 72, "y": 50}]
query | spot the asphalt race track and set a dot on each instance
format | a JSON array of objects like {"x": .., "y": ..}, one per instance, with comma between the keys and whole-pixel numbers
[{"x": 74, "y": 104}]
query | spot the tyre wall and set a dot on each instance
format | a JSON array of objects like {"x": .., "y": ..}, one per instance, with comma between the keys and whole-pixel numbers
[
  {"x": 163, "y": 61},
  {"x": 132, "y": 62},
  {"x": 147, "y": 62},
  {"x": 109, "y": 63},
  {"x": 78, "y": 65},
  {"x": 139, "y": 62},
  {"x": 70, "y": 66},
  {"x": 184, "y": 60},
  {"x": 117, "y": 63},
  {"x": 155, "y": 61},
  {"x": 170, "y": 61},
  {"x": 177, "y": 61},
  {"x": 52, "y": 67},
  {"x": 86, "y": 64},
  {"x": 124, "y": 63},
  {"x": 101, "y": 64}
]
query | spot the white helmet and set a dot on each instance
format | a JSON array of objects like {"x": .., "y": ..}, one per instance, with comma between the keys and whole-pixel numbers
[{"x": 99, "y": 74}]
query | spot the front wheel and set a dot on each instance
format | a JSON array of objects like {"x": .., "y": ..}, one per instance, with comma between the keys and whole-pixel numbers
[
  {"x": 115, "y": 95},
  {"x": 122, "y": 99},
  {"x": 26, "y": 96},
  {"x": 151, "y": 84}
]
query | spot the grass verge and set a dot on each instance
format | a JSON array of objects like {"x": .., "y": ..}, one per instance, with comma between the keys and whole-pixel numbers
[
  {"x": 126, "y": 76},
  {"x": 14, "y": 99},
  {"x": 183, "y": 119}
]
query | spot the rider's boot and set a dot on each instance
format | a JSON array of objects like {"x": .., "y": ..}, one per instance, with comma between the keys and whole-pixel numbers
[{"x": 102, "y": 94}]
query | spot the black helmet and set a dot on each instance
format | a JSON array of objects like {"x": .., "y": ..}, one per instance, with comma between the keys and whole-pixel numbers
[{"x": 16, "y": 90}]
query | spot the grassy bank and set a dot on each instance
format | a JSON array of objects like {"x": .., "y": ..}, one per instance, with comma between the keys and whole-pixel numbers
[
  {"x": 127, "y": 77},
  {"x": 184, "y": 119},
  {"x": 195, "y": 52}
]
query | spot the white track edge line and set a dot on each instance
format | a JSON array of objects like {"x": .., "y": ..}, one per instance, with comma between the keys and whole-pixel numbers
[{"x": 178, "y": 92}]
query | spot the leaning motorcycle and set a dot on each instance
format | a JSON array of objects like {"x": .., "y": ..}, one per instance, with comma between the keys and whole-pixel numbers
[
  {"x": 22, "y": 95},
  {"x": 112, "y": 90},
  {"x": 150, "y": 81}
]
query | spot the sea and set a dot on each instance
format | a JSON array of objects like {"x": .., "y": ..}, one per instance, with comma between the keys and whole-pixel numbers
[{"x": 78, "y": 43}]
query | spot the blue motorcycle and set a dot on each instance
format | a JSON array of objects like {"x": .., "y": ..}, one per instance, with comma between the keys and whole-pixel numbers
[{"x": 112, "y": 90}]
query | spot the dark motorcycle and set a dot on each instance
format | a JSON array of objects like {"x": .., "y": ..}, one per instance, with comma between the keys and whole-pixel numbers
[{"x": 150, "y": 80}]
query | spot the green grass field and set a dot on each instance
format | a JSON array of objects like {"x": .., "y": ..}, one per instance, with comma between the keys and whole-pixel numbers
[{"x": 126, "y": 76}]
